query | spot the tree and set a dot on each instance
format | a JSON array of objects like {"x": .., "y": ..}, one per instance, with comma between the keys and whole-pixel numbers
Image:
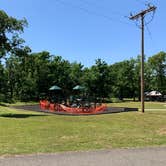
[
  {"x": 60, "y": 72},
  {"x": 3, "y": 83},
  {"x": 10, "y": 28},
  {"x": 157, "y": 64},
  {"x": 17, "y": 68},
  {"x": 125, "y": 75},
  {"x": 76, "y": 73},
  {"x": 97, "y": 79},
  {"x": 40, "y": 71}
]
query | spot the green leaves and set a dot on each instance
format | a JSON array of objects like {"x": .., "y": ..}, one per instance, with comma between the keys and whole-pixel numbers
[
  {"x": 157, "y": 64},
  {"x": 11, "y": 24},
  {"x": 10, "y": 28}
]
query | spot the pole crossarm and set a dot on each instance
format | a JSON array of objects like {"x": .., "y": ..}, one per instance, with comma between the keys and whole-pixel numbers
[{"x": 142, "y": 13}]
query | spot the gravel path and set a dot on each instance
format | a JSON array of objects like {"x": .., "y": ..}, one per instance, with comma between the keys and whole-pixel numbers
[{"x": 116, "y": 157}]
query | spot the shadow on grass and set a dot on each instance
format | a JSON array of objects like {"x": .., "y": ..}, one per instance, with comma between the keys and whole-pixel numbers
[
  {"x": 4, "y": 105},
  {"x": 8, "y": 115}
]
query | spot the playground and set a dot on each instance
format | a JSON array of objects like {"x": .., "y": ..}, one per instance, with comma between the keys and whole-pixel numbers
[
  {"x": 79, "y": 102},
  {"x": 62, "y": 110}
]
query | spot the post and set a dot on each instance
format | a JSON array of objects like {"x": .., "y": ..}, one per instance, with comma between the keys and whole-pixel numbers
[
  {"x": 136, "y": 17},
  {"x": 142, "y": 63}
]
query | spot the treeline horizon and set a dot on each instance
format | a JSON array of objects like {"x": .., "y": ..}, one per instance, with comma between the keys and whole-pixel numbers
[{"x": 26, "y": 76}]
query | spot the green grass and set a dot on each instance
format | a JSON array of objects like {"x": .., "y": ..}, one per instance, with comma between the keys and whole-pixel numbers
[
  {"x": 148, "y": 105},
  {"x": 18, "y": 103},
  {"x": 24, "y": 132}
]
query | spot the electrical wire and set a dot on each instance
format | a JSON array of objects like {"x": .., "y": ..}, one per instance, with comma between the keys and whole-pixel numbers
[
  {"x": 142, "y": 2},
  {"x": 146, "y": 22},
  {"x": 148, "y": 30},
  {"x": 138, "y": 24},
  {"x": 151, "y": 18},
  {"x": 103, "y": 7},
  {"x": 91, "y": 12},
  {"x": 113, "y": 12},
  {"x": 146, "y": 2},
  {"x": 150, "y": 36}
]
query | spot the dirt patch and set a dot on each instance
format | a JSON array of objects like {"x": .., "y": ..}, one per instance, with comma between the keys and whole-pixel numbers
[{"x": 162, "y": 131}]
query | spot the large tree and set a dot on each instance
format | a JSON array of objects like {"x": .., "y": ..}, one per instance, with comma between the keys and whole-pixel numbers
[
  {"x": 3, "y": 83},
  {"x": 10, "y": 28},
  {"x": 158, "y": 71},
  {"x": 97, "y": 79},
  {"x": 125, "y": 75}
]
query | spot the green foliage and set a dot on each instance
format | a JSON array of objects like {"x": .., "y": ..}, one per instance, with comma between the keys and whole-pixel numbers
[
  {"x": 9, "y": 29},
  {"x": 126, "y": 77},
  {"x": 26, "y": 76},
  {"x": 97, "y": 79},
  {"x": 157, "y": 64},
  {"x": 2, "y": 97}
]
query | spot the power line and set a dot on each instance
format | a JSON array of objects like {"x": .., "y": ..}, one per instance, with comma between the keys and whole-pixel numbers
[
  {"x": 92, "y": 12},
  {"x": 103, "y": 7},
  {"x": 146, "y": 2},
  {"x": 150, "y": 35},
  {"x": 146, "y": 22},
  {"x": 142, "y": 2},
  {"x": 148, "y": 30}
]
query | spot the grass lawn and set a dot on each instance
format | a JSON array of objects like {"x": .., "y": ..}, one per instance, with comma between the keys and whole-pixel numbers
[
  {"x": 18, "y": 103},
  {"x": 148, "y": 105},
  {"x": 24, "y": 132}
]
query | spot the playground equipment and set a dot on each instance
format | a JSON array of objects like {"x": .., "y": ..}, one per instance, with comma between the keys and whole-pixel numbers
[
  {"x": 56, "y": 107},
  {"x": 78, "y": 103}
]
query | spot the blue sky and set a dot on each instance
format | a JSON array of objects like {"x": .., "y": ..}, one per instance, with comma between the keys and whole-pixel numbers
[{"x": 84, "y": 30}]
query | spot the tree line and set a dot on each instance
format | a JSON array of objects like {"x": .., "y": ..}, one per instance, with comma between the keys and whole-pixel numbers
[{"x": 25, "y": 75}]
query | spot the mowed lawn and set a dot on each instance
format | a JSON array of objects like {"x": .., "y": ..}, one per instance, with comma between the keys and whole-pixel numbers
[
  {"x": 25, "y": 132},
  {"x": 148, "y": 105}
]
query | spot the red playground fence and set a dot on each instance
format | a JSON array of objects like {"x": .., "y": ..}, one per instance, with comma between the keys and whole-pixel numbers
[{"x": 52, "y": 107}]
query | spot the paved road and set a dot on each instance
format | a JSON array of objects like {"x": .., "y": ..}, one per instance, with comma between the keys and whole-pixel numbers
[{"x": 117, "y": 157}]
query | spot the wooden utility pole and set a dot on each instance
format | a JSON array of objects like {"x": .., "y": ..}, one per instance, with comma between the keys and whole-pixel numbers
[{"x": 136, "y": 17}]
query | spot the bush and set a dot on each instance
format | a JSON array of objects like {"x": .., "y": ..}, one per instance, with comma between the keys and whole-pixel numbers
[
  {"x": 2, "y": 97},
  {"x": 116, "y": 100}
]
